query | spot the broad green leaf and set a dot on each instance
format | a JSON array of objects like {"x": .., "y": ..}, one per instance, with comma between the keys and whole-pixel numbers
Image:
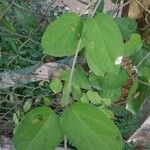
[
  {"x": 103, "y": 43},
  {"x": 56, "y": 85},
  {"x": 133, "y": 45},
  {"x": 127, "y": 27},
  {"x": 62, "y": 35},
  {"x": 80, "y": 78},
  {"x": 136, "y": 97},
  {"x": 88, "y": 128},
  {"x": 111, "y": 81},
  {"x": 93, "y": 97},
  {"x": 38, "y": 130}
]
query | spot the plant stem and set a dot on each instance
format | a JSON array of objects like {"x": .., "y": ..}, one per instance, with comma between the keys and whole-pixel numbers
[
  {"x": 143, "y": 60},
  {"x": 94, "y": 11},
  {"x": 65, "y": 143},
  {"x": 142, "y": 82},
  {"x": 72, "y": 69}
]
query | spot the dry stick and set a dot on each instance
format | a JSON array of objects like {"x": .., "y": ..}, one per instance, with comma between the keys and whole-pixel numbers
[
  {"x": 121, "y": 6},
  {"x": 140, "y": 4},
  {"x": 86, "y": 8}
]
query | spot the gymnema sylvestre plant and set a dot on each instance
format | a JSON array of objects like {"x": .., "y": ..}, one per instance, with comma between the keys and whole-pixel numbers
[{"x": 85, "y": 92}]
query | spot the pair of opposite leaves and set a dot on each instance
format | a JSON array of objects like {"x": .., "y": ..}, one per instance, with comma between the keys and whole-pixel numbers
[
  {"x": 100, "y": 36},
  {"x": 85, "y": 126}
]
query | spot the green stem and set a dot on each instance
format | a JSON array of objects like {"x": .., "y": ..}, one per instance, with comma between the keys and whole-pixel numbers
[
  {"x": 65, "y": 143},
  {"x": 143, "y": 60},
  {"x": 95, "y": 9},
  {"x": 72, "y": 69}
]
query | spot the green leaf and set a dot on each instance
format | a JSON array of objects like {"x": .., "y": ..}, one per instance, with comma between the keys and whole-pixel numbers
[
  {"x": 111, "y": 81},
  {"x": 94, "y": 97},
  {"x": 107, "y": 112},
  {"x": 95, "y": 81},
  {"x": 146, "y": 72},
  {"x": 127, "y": 27},
  {"x": 15, "y": 119},
  {"x": 84, "y": 99},
  {"x": 114, "y": 94},
  {"x": 106, "y": 102},
  {"x": 56, "y": 85},
  {"x": 62, "y": 35},
  {"x": 76, "y": 92},
  {"x": 133, "y": 45},
  {"x": 88, "y": 128},
  {"x": 136, "y": 97},
  {"x": 103, "y": 43},
  {"x": 47, "y": 101},
  {"x": 38, "y": 130},
  {"x": 64, "y": 101}
]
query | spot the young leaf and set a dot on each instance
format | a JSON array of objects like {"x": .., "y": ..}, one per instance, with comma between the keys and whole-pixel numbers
[
  {"x": 107, "y": 112},
  {"x": 56, "y": 85},
  {"x": 27, "y": 106},
  {"x": 133, "y": 45},
  {"x": 93, "y": 97},
  {"x": 84, "y": 99},
  {"x": 88, "y": 128},
  {"x": 106, "y": 102},
  {"x": 15, "y": 119},
  {"x": 38, "y": 130},
  {"x": 47, "y": 101},
  {"x": 61, "y": 36},
  {"x": 103, "y": 43}
]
